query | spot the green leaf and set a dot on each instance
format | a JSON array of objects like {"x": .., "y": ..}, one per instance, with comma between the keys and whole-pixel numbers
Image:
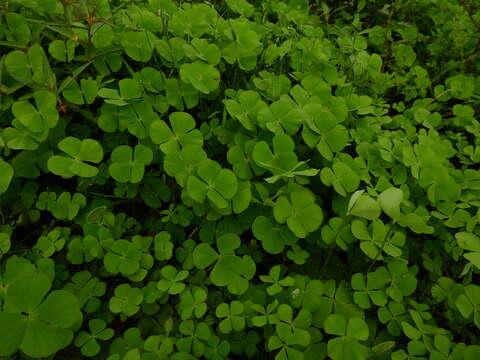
[
  {"x": 6, "y": 175},
  {"x": 273, "y": 238},
  {"x": 389, "y": 200},
  {"x": 299, "y": 211},
  {"x": 213, "y": 182},
  {"x": 62, "y": 50},
  {"x": 138, "y": 44},
  {"x": 182, "y": 132},
  {"x": 18, "y": 27},
  {"x": 204, "y": 256},
  {"x": 80, "y": 152},
  {"x": 18, "y": 65},
  {"x": 128, "y": 165},
  {"x": 38, "y": 328},
  {"x": 202, "y": 76},
  {"x": 364, "y": 206}
]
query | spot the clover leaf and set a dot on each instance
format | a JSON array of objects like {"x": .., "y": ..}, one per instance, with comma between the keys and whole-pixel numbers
[
  {"x": 172, "y": 50},
  {"x": 240, "y": 157},
  {"x": 471, "y": 243},
  {"x": 84, "y": 248},
  {"x": 273, "y": 278},
  {"x": 231, "y": 315},
  {"x": 378, "y": 238},
  {"x": 35, "y": 321},
  {"x": 403, "y": 280},
  {"x": 192, "y": 302},
  {"x": 62, "y": 51},
  {"x": 128, "y": 165},
  {"x": 322, "y": 130},
  {"x": 341, "y": 177},
  {"x": 290, "y": 331},
  {"x": 299, "y": 211},
  {"x": 245, "y": 46},
  {"x": 282, "y": 115},
  {"x": 80, "y": 152},
  {"x": 138, "y": 44},
  {"x": 184, "y": 163},
  {"x": 163, "y": 247},
  {"x": 229, "y": 270},
  {"x": 123, "y": 257},
  {"x": 203, "y": 50},
  {"x": 346, "y": 345},
  {"x": 172, "y": 280},
  {"x": 6, "y": 175},
  {"x": 18, "y": 65},
  {"x": 274, "y": 238},
  {"x": 66, "y": 206},
  {"x": 40, "y": 118},
  {"x": 363, "y": 206},
  {"x": 88, "y": 341},
  {"x": 183, "y": 132},
  {"x": 52, "y": 242},
  {"x": 246, "y": 108},
  {"x": 371, "y": 290},
  {"x": 5, "y": 243},
  {"x": 196, "y": 335},
  {"x": 281, "y": 160},
  {"x": 204, "y": 77},
  {"x": 87, "y": 289},
  {"x": 217, "y": 184},
  {"x": 126, "y": 300},
  {"x": 267, "y": 314},
  {"x": 129, "y": 90},
  {"x": 469, "y": 303}
]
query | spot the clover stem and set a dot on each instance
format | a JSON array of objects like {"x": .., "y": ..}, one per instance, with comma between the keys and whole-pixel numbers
[
  {"x": 379, "y": 251},
  {"x": 327, "y": 259}
]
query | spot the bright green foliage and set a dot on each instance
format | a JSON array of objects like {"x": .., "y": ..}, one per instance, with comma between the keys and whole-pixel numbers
[
  {"x": 123, "y": 257},
  {"x": 80, "y": 152},
  {"x": 195, "y": 337},
  {"x": 204, "y": 77},
  {"x": 6, "y": 176},
  {"x": 239, "y": 179},
  {"x": 469, "y": 303},
  {"x": 34, "y": 320},
  {"x": 126, "y": 300},
  {"x": 52, "y": 242},
  {"x": 273, "y": 237},
  {"x": 349, "y": 334},
  {"x": 183, "y": 132},
  {"x": 128, "y": 165},
  {"x": 63, "y": 207},
  {"x": 212, "y": 182},
  {"x": 378, "y": 238},
  {"x": 299, "y": 211},
  {"x": 471, "y": 243},
  {"x": 371, "y": 289},
  {"x": 341, "y": 177},
  {"x": 274, "y": 278},
  {"x": 229, "y": 270},
  {"x": 231, "y": 315},
  {"x": 172, "y": 280},
  {"x": 192, "y": 303},
  {"x": 88, "y": 341}
]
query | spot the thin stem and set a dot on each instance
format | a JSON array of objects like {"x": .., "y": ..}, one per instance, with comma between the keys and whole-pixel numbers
[
  {"x": 379, "y": 251},
  {"x": 13, "y": 45}
]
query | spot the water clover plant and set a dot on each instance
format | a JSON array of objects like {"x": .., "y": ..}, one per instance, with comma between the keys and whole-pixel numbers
[{"x": 240, "y": 179}]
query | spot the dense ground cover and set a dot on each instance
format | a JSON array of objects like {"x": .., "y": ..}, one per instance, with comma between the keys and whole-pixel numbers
[{"x": 240, "y": 179}]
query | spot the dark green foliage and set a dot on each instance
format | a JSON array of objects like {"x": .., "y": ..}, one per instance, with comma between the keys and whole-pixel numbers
[{"x": 234, "y": 179}]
